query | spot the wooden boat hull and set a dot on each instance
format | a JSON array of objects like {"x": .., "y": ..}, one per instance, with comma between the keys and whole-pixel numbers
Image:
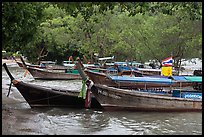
[
  {"x": 101, "y": 78},
  {"x": 49, "y": 75},
  {"x": 37, "y": 95},
  {"x": 48, "y": 97},
  {"x": 113, "y": 99},
  {"x": 49, "y": 67}
]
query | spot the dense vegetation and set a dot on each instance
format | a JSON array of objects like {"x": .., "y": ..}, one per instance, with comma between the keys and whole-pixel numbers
[{"x": 139, "y": 31}]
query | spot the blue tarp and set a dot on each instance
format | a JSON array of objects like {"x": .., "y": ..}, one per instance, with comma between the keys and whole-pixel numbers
[
  {"x": 141, "y": 79},
  {"x": 194, "y": 78},
  {"x": 122, "y": 68},
  {"x": 179, "y": 78}
]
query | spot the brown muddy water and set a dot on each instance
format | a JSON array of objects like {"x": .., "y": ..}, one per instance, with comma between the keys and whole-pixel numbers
[{"x": 19, "y": 119}]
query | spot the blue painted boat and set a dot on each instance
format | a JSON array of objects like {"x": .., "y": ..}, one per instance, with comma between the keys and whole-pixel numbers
[
  {"x": 136, "y": 82},
  {"x": 192, "y": 94},
  {"x": 112, "y": 95}
]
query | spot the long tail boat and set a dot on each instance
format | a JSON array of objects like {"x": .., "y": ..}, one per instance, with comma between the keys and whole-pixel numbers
[
  {"x": 49, "y": 67},
  {"x": 20, "y": 63},
  {"x": 42, "y": 96},
  {"x": 143, "y": 82},
  {"x": 112, "y": 98},
  {"x": 136, "y": 69},
  {"x": 49, "y": 74},
  {"x": 44, "y": 74}
]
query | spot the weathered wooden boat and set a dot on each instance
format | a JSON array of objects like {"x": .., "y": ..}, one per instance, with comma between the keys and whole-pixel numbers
[
  {"x": 45, "y": 64},
  {"x": 120, "y": 70},
  {"x": 140, "y": 82},
  {"x": 45, "y": 74},
  {"x": 20, "y": 63},
  {"x": 41, "y": 96},
  {"x": 112, "y": 98},
  {"x": 136, "y": 68},
  {"x": 131, "y": 68},
  {"x": 71, "y": 65},
  {"x": 50, "y": 74},
  {"x": 99, "y": 62}
]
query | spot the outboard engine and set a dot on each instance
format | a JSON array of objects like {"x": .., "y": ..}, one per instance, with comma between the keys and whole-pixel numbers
[{"x": 197, "y": 73}]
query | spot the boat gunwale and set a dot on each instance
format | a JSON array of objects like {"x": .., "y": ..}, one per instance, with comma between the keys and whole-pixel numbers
[{"x": 143, "y": 94}]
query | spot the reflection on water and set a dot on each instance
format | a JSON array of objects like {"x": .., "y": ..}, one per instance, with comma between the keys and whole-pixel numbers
[
  {"x": 68, "y": 121},
  {"x": 73, "y": 121},
  {"x": 160, "y": 123}
]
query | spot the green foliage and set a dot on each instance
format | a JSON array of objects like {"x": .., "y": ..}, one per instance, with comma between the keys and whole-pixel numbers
[
  {"x": 128, "y": 30},
  {"x": 140, "y": 37},
  {"x": 19, "y": 22}
]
